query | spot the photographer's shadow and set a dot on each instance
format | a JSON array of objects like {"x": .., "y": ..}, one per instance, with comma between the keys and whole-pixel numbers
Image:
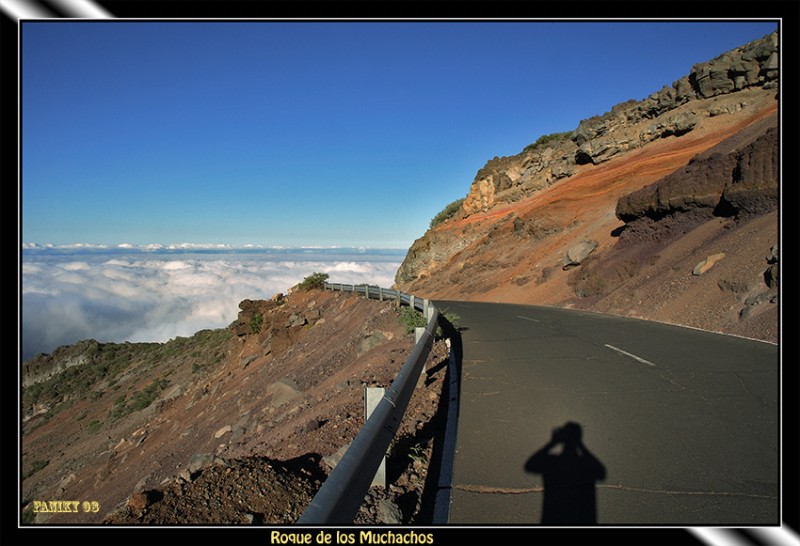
[{"x": 569, "y": 478}]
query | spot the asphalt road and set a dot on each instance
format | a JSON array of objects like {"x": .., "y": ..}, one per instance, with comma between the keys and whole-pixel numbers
[{"x": 679, "y": 426}]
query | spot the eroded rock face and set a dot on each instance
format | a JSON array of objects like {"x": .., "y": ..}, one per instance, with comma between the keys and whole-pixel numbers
[
  {"x": 628, "y": 126},
  {"x": 43, "y": 367},
  {"x": 427, "y": 252},
  {"x": 729, "y": 179},
  {"x": 738, "y": 177},
  {"x": 753, "y": 188}
]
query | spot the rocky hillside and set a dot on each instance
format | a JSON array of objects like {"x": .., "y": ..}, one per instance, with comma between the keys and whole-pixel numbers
[
  {"x": 618, "y": 215},
  {"x": 664, "y": 209},
  {"x": 237, "y": 425}
]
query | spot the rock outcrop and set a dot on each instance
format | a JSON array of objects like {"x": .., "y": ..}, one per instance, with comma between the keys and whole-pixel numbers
[
  {"x": 738, "y": 177},
  {"x": 735, "y": 179},
  {"x": 577, "y": 253},
  {"x": 43, "y": 367},
  {"x": 427, "y": 252},
  {"x": 672, "y": 111},
  {"x": 655, "y": 190}
]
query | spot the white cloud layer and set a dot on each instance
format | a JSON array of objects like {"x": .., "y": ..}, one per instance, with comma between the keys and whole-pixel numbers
[{"x": 154, "y": 296}]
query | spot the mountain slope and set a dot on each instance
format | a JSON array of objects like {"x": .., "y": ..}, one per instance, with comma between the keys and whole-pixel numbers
[
  {"x": 510, "y": 240},
  {"x": 237, "y": 425}
]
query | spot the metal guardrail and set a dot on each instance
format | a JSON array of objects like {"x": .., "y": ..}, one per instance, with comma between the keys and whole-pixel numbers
[{"x": 342, "y": 494}]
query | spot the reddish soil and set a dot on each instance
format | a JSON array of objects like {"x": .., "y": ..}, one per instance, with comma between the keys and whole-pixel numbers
[
  {"x": 651, "y": 280},
  {"x": 244, "y": 440}
]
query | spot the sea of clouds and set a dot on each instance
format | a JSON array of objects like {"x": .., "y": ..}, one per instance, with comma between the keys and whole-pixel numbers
[{"x": 156, "y": 293}]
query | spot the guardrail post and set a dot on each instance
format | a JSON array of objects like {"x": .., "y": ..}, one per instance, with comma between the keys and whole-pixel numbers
[
  {"x": 380, "y": 293},
  {"x": 411, "y": 301},
  {"x": 372, "y": 396},
  {"x": 419, "y": 331}
]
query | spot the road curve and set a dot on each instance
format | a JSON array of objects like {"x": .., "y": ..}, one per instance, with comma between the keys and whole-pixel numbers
[{"x": 684, "y": 424}]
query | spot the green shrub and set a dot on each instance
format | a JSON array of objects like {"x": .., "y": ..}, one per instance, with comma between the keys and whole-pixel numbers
[
  {"x": 544, "y": 139},
  {"x": 314, "y": 281},
  {"x": 410, "y": 318},
  {"x": 143, "y": 399},
  {"x": 256, "y": 322},
  {"x": 452, "y": 318},
  {"x": 35, "y": 467},
  {"x": 120, "y": 409},
  {"x": 94, "y": 426},
  {"x": 447, "y": 212}
]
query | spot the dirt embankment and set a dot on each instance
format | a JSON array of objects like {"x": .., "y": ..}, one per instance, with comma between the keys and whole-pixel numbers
[{"x": 241, "y": 426}]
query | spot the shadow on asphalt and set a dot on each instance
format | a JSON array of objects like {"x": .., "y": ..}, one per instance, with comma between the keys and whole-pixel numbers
[{"x": 569, "y": 478}]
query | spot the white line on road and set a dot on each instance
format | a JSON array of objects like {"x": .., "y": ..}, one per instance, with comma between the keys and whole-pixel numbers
[
  {"x": 528, "y": 318},
  {"x": 626, "y": 353}
]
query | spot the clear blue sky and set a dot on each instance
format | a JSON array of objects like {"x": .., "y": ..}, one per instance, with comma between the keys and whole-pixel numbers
[{"x": 309, "y": 133}]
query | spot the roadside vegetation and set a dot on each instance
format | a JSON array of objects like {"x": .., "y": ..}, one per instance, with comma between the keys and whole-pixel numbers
[
  {"x": 314, "y": 281},
  {"x": 410, "y": 319}
]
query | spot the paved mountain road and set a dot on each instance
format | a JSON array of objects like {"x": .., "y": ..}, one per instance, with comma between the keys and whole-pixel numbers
[{"x": 683, "y": 422}]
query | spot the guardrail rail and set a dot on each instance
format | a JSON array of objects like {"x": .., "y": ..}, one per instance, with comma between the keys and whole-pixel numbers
[{"x": 342, "y": 494}]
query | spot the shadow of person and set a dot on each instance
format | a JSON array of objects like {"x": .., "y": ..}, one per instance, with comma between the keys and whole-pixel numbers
[{"x": 569, "y": 478}]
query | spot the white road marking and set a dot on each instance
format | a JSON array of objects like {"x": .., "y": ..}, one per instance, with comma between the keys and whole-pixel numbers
[
  {"x": 626, "y": 353},
  {"x": 528, "y": 318}
]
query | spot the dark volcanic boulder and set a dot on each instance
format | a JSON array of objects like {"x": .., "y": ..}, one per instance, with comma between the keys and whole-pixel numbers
[
  {"x": 738, "y": 177},
  {"x": 698, "y": 185},
  {"x": 753, "y": 188}
]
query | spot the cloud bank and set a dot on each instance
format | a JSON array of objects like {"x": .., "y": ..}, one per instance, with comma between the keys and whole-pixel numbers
[{"x": 136, "y": 295}]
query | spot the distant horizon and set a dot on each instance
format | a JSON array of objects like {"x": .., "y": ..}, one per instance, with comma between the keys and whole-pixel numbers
[
  {"x": 27, "y": 245},
  {"x": 117, "y": 294}
]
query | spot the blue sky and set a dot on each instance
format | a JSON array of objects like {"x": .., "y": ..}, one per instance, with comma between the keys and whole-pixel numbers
[{"x": 309, "y": 133}]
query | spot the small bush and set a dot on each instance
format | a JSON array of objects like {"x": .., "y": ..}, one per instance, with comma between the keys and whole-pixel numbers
[
  {"x": 452, "y": 318},
  {"x": 256, "y": 322},
  {"x": 143, "y": 399},
  {"x": 94, "y": 426},
  {"x": 314, "y": 281},
  {"x": 35, "y": 467},
  {"x": 447, "y": 212},
  {"x": 410, "y": 319},
  {"x": 120, "y": 409},
  {"x": 544, "y": 139}
]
